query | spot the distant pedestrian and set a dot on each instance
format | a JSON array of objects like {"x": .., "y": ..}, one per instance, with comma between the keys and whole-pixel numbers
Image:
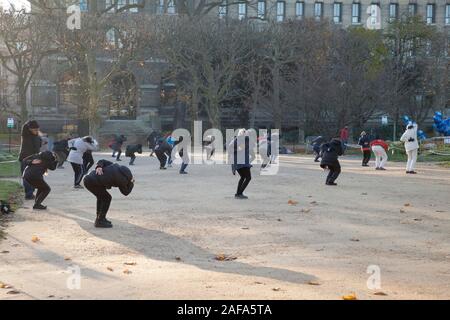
[
  {"x": 364, "y": 142},
  {"x": 61, "y": 150},
  {"x": 409, "y": 137},
  {"x": 162, "y": 151},
  {"x": 316, "y": 143},
  {"x": 78, "y": 147},
  {"x": 330, "y": 153},
  {"x": 380, "y": 148},
  {"x": 239, "y": 151},
  {"x": 116, "y": 146},
  {"x": 344, "y": 135},
  {"x": 30, "y": 144},
  {"x": 131, "y": 150},
  {"x": 151, "y": 140}
]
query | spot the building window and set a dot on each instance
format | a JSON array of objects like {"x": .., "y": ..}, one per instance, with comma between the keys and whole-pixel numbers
[
  {"x": 223, "y": 9},
  {"x": 337, "y": 12},
  {"x": 431, "y": 16},
  {"x": 133, "y": 9},
  {"x": 318, "y": 10},
  {"x": 393, "y": 11},
  {"x": 261, "y": 9},
  {"x": 447, "y": 14},
  {"x": 299, "y": 9},
  {"x": 356, "y": 13},
  {"x": 412, "y": 9},
  {"x": 83, "y": 5},
  {"x": 171, "y": 7},
  {"x": 242, "y": 11},
  {"x": 280, "y": 11}
]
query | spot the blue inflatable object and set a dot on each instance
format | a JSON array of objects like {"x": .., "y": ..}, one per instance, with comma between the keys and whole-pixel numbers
[
  {"x": 441, "y": 125},
  {"x": 420, "y": 134}
]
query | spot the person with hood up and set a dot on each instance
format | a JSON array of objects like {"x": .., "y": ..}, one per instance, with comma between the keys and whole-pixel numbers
[
  {"x": 162, "y": 150},
  {"x": 330, "y": 153},
  {"x": 316, "y": 143},
  {"x": 409, "y": 137},
  {"x": 364, "y": 142},
  {"x": 61, "y": 150},
  {"x": 131, "y": 150},
  {"x": 78, "y": 147},
  {"x": 379, "y": 148},
  {"x": 105, "y": 176},
  {"x": 239, "y": 151},
  {"x": 30, "y": 144},
  {"x": 36, "y": 167}
]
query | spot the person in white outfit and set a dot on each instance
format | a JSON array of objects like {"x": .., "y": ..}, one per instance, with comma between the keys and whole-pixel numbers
[
  {"x": 78, "y": 147},
  {"x": 409, "y": 137}
]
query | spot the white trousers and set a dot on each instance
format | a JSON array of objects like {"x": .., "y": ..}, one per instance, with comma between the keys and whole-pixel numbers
[
  {"x": 412, "y": 159},
  {"x": 380, "y": 156}
]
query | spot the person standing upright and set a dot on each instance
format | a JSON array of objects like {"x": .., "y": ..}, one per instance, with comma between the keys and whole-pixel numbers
[
  {"x": 30, "y": 144},
  {"x": 239, "y": 151},
  {"x": 364, "y": 142},
  {"x": 116, "y": 146},
  {"x": 343, "y": 135},
  {"x": 409, "y": 137},
  {"x": 78, "y": 147}
]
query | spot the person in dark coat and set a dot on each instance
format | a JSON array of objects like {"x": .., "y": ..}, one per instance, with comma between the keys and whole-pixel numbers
[
  {"x": 364, "y": 142},
  {"x": 330, "y": 153},
  {"x": 116, "y": 146},
  {"x": 131, "y": 150},
  {"x": 316, "y": 143},
  {"x": 162, "y": 150},
  {"x": 61, "y": 150},
  {"x": 30, "y": 144},
  {"x": 36, "y": 166},
  {"x": 105, "y": 176},
  {"x": 239, "y": 148},
  {"x": 151, "y": 140},
  {"x": 88, "y": 161}
]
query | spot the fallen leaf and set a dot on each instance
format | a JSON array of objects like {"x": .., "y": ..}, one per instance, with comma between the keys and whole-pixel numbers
[
  {"x": 5, "y": 251},
  {"x": 67, "y": 259},
  {"x": 313, "y": 202},
  {"x": 126, "y": 271},
  {"x": 130, "y": 263},
  {"x": 417, "y": 219},
  {"x": 257, "y": 282},
  {"x": 35, "y": 239},
  {"x": 4, "y": 286},
  {"x": 305, "y": 210},
  {"x": 440, "y": 211},
  {"x": 354, "y": 239},
  {"x": 178, "y": 258},
  {"x": 351, "y": 296},
  {"x": 13, "y": 292},
  {"x": 402, "y": 211},
  {"x": 380, "y": 293},
  {"x": 292, "y": 202},
  {"x": 223, "y": 257},
  {"x": 276, "y": 289},
  {"x": 313, "y": 283},
  {"x": 407, "y": 204},
  {"x": 50, "y": 296},
  {"x": 109, "y": 269},
  {"x": 245, "y": 228},
  {"x": 278, "y": 219}
]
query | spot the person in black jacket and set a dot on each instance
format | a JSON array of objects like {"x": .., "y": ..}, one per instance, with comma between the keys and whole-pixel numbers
[
  {"x": 88, "y": 160},
  {"x": 116, "y": 146},
  {"x": 240, "y": 154},
  {"x": 151, "y": 140},
  {"x": 30, "y": 144},
  {"x": 36, "y": 166},
  {"x": 162, "y": 150},
  {"x": 316, "y": 143},
  {"x": 105, "y": 176},
  {"x": 364, "y": 142},
  {"x": 330, "y": 153},
  {"x": 61, "y": 150},
  {"x": 131, "y": 150}
]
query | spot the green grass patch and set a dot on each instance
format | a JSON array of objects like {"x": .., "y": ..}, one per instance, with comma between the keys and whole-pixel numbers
[
  {"x": 12, "y": 193},
  {"x": 9, "y": 166}
]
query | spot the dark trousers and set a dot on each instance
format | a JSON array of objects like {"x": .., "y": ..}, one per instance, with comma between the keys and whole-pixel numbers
[
  {"x": 246, "y": 176},
  {"x": 88, "y": 162},
  {"x": 132, "y": 158},
  {"x": 366, "y": 157},
  {"x": 103, "y": 196},
  {"x": 119, "y": 152},
  {"x": 183, "y": 167},
  {"x": 317, "y": 153},
  {"x": 43, "y": 189},
  {"x": 61, "y": 157},
  {"x": 162, "y": 158},
  {"x": 335, "y": 170},
  {"x": 78, "y": 170},
  {"x": 29, "y": 189}
]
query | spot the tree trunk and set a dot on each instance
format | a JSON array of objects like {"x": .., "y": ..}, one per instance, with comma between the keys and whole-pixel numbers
[
  {"x": 276, "y": 105},
  {"x": 22, "y": 100}
]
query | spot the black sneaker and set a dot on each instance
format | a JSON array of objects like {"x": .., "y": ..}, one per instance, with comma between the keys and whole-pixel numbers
[
  {"x": 39, "y": 207},
  {"x": 103, "y": 224},
  {"x": 183, "y": 172},
  {"x": 331, "y": 184},
  {"x": 162, "y": 168},
  {"x": 78, "y": 187},
  {"x": 240, "y": 196}
]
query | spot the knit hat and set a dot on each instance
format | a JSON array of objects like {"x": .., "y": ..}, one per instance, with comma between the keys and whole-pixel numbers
[{"x": 32, "y": 124}]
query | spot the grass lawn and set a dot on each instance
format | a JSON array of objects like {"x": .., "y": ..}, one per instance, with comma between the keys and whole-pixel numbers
[
  {"x": 11, "y": 192},
  {"x": 9, "y": 166}
]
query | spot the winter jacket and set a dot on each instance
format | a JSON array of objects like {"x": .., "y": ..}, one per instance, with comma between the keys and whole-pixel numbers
[
  {"x": 113, "y": 175},
  {"x": 163, "y": 146},
  {"x": 61, "y": 145},
  {"x": 36, "y": 171},
  {"x": 379, "y": 142},
  {"x": 409, "y": 137},
  {"x": 132, "y": 149},
  {"x": 364, "y": 142},
  {"x": 78, "y": 147},
  {"x": 30, "y": 143},
  {"x": 240, "y": 151},
  {"x": 316, "y": 143},
  {"x": 344, "y": 134},
  {"x": 152, "y": 138},
  {"x": 118, "y": 142},
  {"x": 330, "y": 152}
]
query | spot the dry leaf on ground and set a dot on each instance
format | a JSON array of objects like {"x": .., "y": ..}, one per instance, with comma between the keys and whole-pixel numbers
[
  {"x": 351, "y": 296},
  {"x": 305, "y": 210},
  {"x": 109, "y": 269},
  {"x": 292, "y": 202},
  {"x": 313, "y": 283},
  {"x": 130, "y": 263},
  {"x": 126, "y": 271},
  {"x": 380, "y": 293},
  {"x": 407, "y": 204},
  {"x": 224, "y": 257},
  {"x": 35, "y": 239}
]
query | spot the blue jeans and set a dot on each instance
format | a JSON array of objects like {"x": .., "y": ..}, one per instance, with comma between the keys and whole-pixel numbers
[
  {"x": 183, "y": 167},
  {"x": 29, "y": 190}
]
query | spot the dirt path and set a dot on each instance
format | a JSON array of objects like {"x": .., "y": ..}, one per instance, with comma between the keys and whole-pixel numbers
[{"x": 172, "y": 227}]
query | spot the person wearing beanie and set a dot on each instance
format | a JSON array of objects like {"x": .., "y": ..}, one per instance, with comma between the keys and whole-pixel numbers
[
  {"x": 36, "y": 167},
  {"x": 30, "y": 144},
  {"x": 379, "y": 148},
  {"x": 162, "y": 150},
  {"x": 409, "y": 137},
  {"x": 364, "y": 142},
  {"x": 131, "y": 150},
  {"x": 105, "y": 176}
]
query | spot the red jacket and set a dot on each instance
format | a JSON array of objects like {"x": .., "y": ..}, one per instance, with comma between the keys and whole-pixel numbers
[
  {"x": 379, "y": 142},
  {"x": 344, "y": 134}
]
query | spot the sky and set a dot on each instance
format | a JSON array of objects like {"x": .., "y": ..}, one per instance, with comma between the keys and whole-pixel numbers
[{"x": 18, "y": 4}]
